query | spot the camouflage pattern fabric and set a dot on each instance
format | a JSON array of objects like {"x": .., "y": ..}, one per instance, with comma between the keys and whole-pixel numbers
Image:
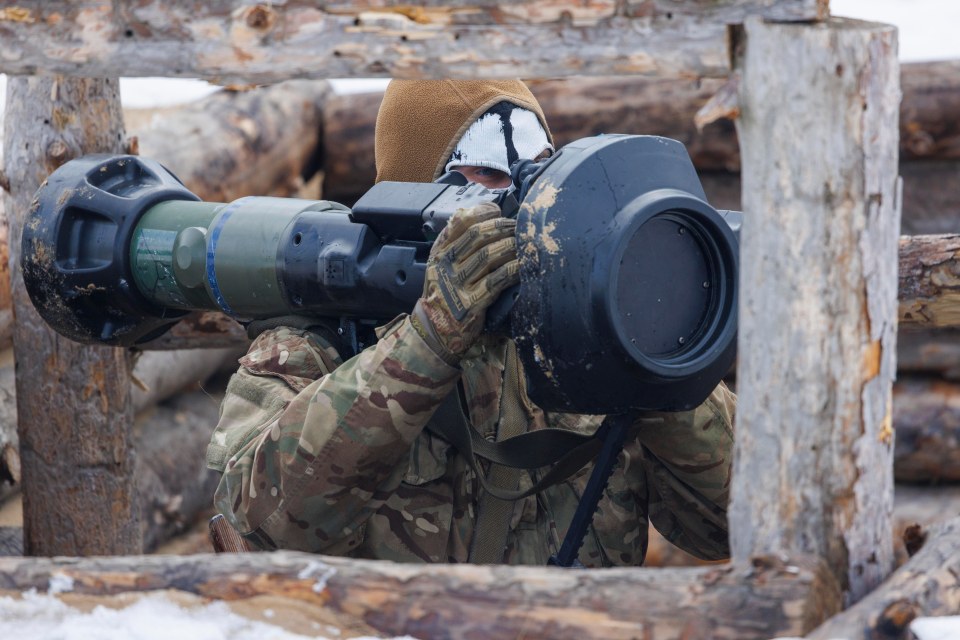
[{"x": 330, "y": 457}]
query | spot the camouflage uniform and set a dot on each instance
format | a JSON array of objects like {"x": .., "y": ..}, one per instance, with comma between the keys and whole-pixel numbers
[{"x": 331, "y": 457}]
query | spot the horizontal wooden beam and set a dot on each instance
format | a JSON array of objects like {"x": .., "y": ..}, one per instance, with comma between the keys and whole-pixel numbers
[
  {"x": 929, "y": 289},
  {"x": 770, "y": 597},
  {"x": 231, "y": 42}
]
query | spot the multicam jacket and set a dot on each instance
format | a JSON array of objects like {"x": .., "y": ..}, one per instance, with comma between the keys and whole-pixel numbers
[{"x": 333, "y": 457}]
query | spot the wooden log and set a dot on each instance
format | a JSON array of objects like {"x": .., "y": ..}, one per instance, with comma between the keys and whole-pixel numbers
[
  {"x": 78, "y": 467},
  {"x": 262, "y": 43},
  {"x": 176, "y": 488},
  {"x": 924, "y": 505},
  {"x": 160, "y": 375},
  {"x": 766, "y": 598},
  {"x": 928, "y": 585},
  {"x": 9, "y": 441},
  {"x": 157, "y": 376},
  {"x": 926, "y": 416},
  {"x": 930, "y": 280},
  {"x": 201, "y": 330},
  {"x": 916, "y": 509},
  {"x": 6, "y": 298},
  {"x": 931, "y": 197},
  {"x": 348, "y": 138},
  {"x": 931, "y": 351},
  {"x": 817, "y": 351},
  {"x": 239, "y": 143},
  {"x": 931, "y": 98}
]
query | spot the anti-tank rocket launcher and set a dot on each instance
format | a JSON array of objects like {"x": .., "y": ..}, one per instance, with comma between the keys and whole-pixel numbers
[{"x": 628, "y": 288}]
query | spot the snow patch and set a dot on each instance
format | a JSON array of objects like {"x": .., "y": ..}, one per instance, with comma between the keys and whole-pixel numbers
[
  {"x": 154, "y": 617},
  {"x": 322, "y": 572},
  {"x": 60, "y": 583},
  {"x": 942, "y": 628}
]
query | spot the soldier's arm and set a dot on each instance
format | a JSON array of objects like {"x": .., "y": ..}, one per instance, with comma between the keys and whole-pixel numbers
[
  {"x": 687, "y": 462},
  {"x": 304, "y": 468}
]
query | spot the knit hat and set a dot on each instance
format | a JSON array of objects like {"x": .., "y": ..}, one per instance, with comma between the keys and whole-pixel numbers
[
  {"x": 421, "y": 122},
  {"x": 500, "y": 137}
]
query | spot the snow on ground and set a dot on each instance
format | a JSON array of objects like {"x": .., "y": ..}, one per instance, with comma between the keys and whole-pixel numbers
[
  {"x": 155, "y": 617},
  {"x": 152, "y": 617}
]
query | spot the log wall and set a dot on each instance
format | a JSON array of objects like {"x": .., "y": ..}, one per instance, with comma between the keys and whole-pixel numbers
[{"x": 586, "y": 106}]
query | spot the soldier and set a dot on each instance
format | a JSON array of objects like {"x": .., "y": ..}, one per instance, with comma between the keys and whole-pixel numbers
[{"x": 328, "y": 456}]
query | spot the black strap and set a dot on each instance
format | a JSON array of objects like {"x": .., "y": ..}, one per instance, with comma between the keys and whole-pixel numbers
[
  {"x": 613, "y": 431},
  {"x": 567, "y": 451}
]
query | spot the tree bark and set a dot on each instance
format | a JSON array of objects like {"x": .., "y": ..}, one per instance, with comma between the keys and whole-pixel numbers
[
  {"x": 926, "y": 414},
  {"x": 930, "y": 197},
  {"x": 176, "y": 488},
  {"x": 240, "y": 143},
  {"x": 817, "y": 352},
  {"x": 159, "y": 375},
  {"x": 201, "y": 330},
  {"x": 930, "y": 280},
  {"x": 766, "y": 598},
  {"x": 929, "y": 126},
  {"x": 9, "y": 442},
  {"x": 917, "y": 509},
  {"x": 6, "y": 298},
  {"x": 266, "y": 42},
  {"x": 928, "y": 585},
  {"x": 78, "y": 465},
  {"x": 929, "y": 351}
]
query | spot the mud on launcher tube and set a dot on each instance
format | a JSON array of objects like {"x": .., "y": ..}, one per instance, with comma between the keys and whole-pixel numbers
[{"x": 628, "y": 292}]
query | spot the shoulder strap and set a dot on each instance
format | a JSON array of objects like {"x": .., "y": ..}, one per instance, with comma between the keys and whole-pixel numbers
[
  {"x": 565, "y": 452},
  {"x": 493, "y": 513}
]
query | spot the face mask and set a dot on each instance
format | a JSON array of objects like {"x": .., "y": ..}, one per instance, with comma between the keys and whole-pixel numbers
[{"x": 501, "y": 136}]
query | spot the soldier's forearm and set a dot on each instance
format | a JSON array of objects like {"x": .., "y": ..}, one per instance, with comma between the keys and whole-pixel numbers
[{"x": 341, "y": 446}]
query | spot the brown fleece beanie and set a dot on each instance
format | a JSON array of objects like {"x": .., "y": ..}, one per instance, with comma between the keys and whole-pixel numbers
[{"x": 421, "y": 121}]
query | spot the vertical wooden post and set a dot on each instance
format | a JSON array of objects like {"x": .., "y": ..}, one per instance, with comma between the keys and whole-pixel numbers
[
  {"x": 73, "y": 400},
  {"x": 818, "y": 301}
]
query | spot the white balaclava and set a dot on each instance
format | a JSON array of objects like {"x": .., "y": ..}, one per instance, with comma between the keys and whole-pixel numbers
[{"x": 501, "y": 136}]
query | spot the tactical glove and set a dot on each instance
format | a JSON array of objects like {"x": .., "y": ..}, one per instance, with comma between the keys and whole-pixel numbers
[{"x": 471, "y": 263}]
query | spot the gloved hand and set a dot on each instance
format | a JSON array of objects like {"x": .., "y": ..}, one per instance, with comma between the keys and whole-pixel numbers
[{"x": 472, "y": 261}]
